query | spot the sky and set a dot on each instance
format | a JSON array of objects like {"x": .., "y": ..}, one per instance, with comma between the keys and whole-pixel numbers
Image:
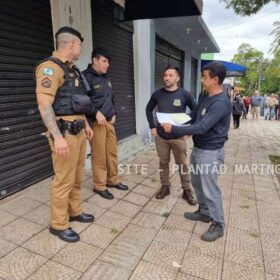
[{"x": 230, "y": 30}]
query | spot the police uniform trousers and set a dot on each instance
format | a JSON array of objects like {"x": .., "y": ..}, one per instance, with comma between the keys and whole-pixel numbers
[
  {"x": 66, "y": 184},
  {"x": 179, "y": 149},
  {"x": 104, "y": 156}
]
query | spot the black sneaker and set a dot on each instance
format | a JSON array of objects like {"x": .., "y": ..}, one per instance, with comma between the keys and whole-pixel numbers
[
  {"x": 197, "y": 216},
  {"x": 214, "y": 232}
]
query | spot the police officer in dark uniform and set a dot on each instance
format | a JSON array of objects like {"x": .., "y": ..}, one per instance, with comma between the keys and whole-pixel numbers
[
  {"x": 104, "y": 142},
  {"x": 60, "y": 91}
]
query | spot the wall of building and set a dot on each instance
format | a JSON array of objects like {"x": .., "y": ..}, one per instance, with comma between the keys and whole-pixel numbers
[{"x": 76, "y": 14}]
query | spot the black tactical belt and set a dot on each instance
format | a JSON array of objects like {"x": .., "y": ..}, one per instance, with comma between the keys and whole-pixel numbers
[{"x": 72, "y": 128}]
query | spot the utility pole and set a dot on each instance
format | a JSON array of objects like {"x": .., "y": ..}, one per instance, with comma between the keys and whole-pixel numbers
[{"x": 260, "y": 75}]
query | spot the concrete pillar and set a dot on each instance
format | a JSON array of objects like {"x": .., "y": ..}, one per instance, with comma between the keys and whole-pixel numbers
[
  {"x": 198, "y": 85},
  {"x": 143, "y": 77},
  {"x": 76, "y": 14},
  {"x": 187, "y": 71}
]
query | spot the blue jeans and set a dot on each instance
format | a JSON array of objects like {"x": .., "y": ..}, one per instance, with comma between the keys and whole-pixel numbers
[{"x": 204, "y": 170}]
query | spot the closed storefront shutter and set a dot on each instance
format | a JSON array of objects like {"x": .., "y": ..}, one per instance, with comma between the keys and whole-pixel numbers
[
  {"x": 116, "y": 38},
  {"x": 166, "y": 54},
  {"x": 25, "y": 38}
]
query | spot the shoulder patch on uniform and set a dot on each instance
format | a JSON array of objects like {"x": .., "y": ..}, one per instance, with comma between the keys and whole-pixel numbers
[
  {"x": 46, "y": 83},
  {"x": 48, "y": 71},
  {"x": 177, "y": 102}
]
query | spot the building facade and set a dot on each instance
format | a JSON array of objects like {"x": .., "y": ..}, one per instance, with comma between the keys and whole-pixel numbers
[{"x": 140, "y": 50}]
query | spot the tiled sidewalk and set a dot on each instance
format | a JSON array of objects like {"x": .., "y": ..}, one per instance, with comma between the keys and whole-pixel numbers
[{"x": 136, "y": 236}]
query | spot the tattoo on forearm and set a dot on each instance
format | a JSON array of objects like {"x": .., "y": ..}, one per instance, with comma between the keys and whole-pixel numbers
[{"x": 48, "y": 117}]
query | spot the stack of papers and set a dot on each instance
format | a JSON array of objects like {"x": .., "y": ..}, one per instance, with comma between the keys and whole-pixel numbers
[{"x": 174, "y": 118}]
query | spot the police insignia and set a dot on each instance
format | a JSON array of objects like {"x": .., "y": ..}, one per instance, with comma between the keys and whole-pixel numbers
[
  {"x": 48, "y": 71},
  {"x": 46, "y": 83},
  {"x": 109, "y": 84},
  {"x": 203, "y": 112},
  {"x": 177, "y": 102},
  {"x": 96, "y": 86}
]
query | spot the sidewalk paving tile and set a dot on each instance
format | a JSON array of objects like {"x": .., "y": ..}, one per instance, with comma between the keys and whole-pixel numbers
[
  {"x": 20, "y": 206},
  {"x": 123, "y": 254},
  {"x": 148, "y": 220},
  {"x": 99, "y": 201},
  {"x": 19, "y": 231},
  {"x": 126, "y": 208},
  {"x": 199, "y": 265},
  {"x": 136, "y": 236},
  {"x": 6, "y": 218},
  {"x": 136, "y": 198},
  {"x": 233, "y": 271},
  {"x": 149, "y": 271},
  {"x": 6, "y": 247},
  {"x": 113, "y": 220},
  {"x": 98, "y": 236},
  {"x": 105, "y": 271},
  {"x": 20, "y": 264},
  {"x": 44, "y": 244},
  {"x": 164, "y": 254},
  {"x": 78, "y": 256},
  {"x": 40, "y": 215},
  {"x": 54, "y": 271}
]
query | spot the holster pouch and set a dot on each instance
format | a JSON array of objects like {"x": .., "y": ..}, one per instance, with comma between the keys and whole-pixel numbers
[
  {"x": 72, "y": 128},
  {"x": 81, "y": 104}
]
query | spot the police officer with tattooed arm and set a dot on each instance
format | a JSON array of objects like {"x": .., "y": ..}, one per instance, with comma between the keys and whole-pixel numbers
[{"x": 62, "y": 101}]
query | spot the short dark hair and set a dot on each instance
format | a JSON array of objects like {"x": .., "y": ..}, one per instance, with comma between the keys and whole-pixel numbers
[
  {"x": 172, "y": 67},
  {"x": 216, "y": 69},
  {"x": 98, "y": 52}
]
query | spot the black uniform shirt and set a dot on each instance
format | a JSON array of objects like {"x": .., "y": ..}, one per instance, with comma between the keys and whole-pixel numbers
[
  {"x": 168, "y": 102},
  {"x": 101, "y": 93}
]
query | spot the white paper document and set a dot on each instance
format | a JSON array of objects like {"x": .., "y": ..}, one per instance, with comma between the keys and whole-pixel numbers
[{"x": 173, "y": 118}]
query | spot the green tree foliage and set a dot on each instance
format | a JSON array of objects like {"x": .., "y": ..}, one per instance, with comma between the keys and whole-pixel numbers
[
  {"x": 275, "y": 46},
  {"x": 252, "y": 59},
  {"x": 271, "y": 82},
  {"x": 247, "y": 7}
]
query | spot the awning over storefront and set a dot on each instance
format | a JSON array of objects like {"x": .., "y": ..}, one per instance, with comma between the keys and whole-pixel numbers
[
  {"x": 233, "y": 69},
  {"x": 148, "y": 9},
  {"x": 189, "y": 34}
]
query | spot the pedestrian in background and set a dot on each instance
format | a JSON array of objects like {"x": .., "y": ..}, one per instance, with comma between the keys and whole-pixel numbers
[
  {"x": 256, "y": 101},
  {"x": 237, "y": 109}
]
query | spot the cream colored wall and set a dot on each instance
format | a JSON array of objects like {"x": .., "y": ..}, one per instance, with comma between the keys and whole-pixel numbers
[{"x": 76, "y": 14}]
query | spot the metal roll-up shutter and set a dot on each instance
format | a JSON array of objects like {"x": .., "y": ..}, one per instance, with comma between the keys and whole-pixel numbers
[
  {"x": 117, "y": 39},
  {"x": 25, "y": 38},
  {"x": 167, "y": 54}
]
